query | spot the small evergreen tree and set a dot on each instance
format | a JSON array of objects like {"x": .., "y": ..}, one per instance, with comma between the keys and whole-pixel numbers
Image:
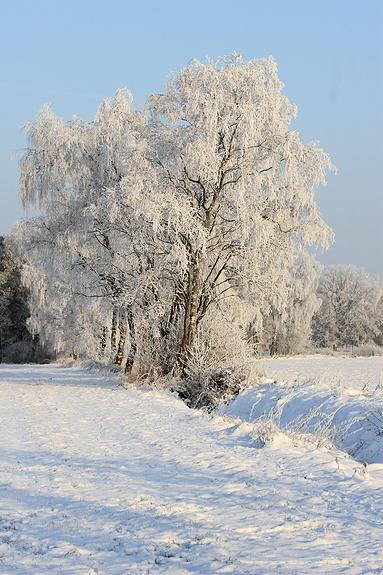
[{"x": 16, "y": 342}]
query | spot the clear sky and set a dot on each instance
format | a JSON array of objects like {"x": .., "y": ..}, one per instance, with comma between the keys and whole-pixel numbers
[{"x": 71, "y": 54}]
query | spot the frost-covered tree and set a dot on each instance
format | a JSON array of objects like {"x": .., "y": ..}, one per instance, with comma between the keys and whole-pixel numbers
[
  {"x": 236, "y": 195},
  {"x": 164, "y": 233},
  {"x": 289, "y": 331},
  {"x": 88, "y": 238},
  {"x": 349, "y": 311}
]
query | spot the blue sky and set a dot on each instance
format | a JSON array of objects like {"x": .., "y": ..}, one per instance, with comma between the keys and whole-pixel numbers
[{"x": 71, "y": 54}]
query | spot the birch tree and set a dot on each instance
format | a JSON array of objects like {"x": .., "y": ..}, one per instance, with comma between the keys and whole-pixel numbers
[
  {"x": 289, "y": 331},
  {"x": 237, "y": 185},
  {"x": 87, "y": 237},
  {"x": 169, "y": 230}
]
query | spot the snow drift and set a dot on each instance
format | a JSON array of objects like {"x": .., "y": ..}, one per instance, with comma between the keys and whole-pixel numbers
[{"x": 349, "y": 418}]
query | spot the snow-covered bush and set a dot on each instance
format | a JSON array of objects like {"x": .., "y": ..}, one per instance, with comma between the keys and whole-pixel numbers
[
  {"x": 367, "y": 350},
  {"x": 214, "y": 387},
  {"x": 21, "y": 351}
]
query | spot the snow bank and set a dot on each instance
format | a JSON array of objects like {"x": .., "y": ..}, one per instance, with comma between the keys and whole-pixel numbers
[{"x": 351, "y": 419}]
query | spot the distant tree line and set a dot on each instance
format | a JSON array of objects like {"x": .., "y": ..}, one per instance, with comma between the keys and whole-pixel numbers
[
  {"x": 351, "y": 308},
  {"x": 337, "y": 308}
]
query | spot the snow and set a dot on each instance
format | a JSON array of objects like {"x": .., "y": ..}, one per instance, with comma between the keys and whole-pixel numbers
[
  {"x": 354, "y": 373},
  {"x": 337, "y": 400},
  {"x": 130, "y": 481}
]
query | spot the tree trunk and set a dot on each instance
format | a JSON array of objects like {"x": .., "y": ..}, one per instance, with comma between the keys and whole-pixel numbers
[
  {"x": 113, "y": 333},
  {"x": 274, "y": 344},
  {"x": 103, "y": 339},
  {"x": 133, "y": 343},
  {"x": 168, "y": 325},
  {"x": 121, "y": 342},
  {"x": 191, "y": 315},
  {"x": 255, "y": 343}
]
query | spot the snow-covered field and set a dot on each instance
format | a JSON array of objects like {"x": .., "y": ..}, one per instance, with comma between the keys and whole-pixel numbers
[
  {"x": 96, "y": 477},
  {"x": 356, "y": 373}
]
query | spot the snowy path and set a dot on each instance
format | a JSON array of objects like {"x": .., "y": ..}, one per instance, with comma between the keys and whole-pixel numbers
[{"x": 133, "y": 482}]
